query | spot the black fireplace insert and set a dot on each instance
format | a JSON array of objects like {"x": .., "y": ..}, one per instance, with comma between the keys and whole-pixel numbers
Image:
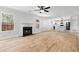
[{"x": 27, "y": 31}]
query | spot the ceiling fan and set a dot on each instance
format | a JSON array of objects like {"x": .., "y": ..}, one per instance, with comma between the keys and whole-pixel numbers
[{"x": 42, "y": 9}]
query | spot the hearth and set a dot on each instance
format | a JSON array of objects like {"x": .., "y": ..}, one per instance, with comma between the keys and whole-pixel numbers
[{"x": 27, "y": 31}]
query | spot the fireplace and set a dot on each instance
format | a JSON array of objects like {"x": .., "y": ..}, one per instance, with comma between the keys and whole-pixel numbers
[{"x": 27, "y": 31}]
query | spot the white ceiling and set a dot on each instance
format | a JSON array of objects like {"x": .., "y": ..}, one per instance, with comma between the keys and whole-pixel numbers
[{"x": 56, "y": 11}]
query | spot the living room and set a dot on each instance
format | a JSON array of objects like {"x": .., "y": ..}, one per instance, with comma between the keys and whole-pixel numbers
[{"x": 38, "y": 23}]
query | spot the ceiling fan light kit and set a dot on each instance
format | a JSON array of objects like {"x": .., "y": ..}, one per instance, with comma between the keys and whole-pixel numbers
[{"x": 43, "y": 9}]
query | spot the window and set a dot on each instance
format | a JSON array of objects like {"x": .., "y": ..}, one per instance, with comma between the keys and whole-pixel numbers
[{"x": 7, "y": 22}]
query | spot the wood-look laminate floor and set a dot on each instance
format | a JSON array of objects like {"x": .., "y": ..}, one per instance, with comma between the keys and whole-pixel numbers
[{"x": 46, "y": 41}]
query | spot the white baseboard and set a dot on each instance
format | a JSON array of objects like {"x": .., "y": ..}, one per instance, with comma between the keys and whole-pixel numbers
[{"x": 7, "y": 37}]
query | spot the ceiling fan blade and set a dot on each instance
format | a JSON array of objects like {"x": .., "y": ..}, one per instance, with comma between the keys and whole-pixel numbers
[
  {"x": 42, "y": 7},
  {"x": 47, "y": 8},
  {"x": 39, "y": 6},
  {"x": 46, "y": 11}
]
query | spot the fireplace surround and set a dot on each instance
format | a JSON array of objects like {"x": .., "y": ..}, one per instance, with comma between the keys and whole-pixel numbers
[{"x": 27, "y": 31}]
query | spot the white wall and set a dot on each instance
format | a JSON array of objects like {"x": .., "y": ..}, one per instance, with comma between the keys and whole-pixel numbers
[
  {"x": 75, "y": 23},
  {"x": 19, "y": 18},
  {"x": 45, "y": 24}
]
